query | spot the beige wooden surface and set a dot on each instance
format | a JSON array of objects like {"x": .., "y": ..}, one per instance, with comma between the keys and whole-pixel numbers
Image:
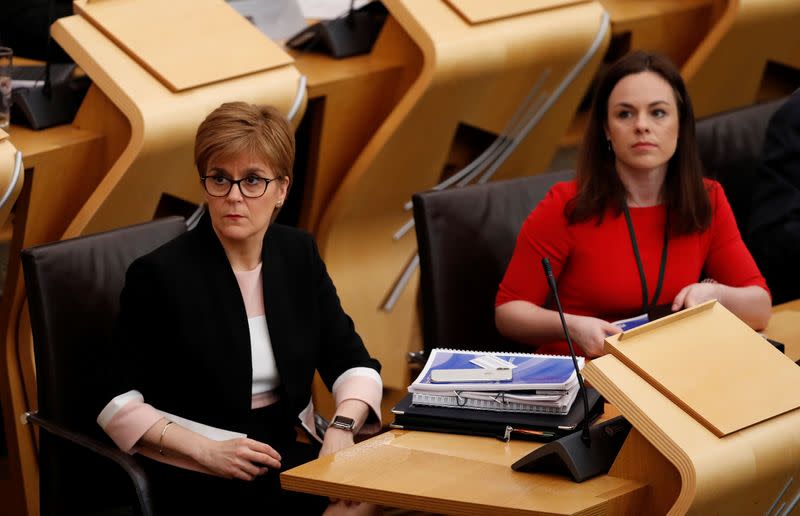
[
  {"x": 480, "y": 11},
  {"x": 698, "y": 358},
  {"x": 348, "y": 100},
  {"x": 742, "y": 473},
  {"x": 157, "y": 156},
  {"x": 453, "y": 474},
  {"x": 673, "y": 27},
  {"x": 726, "y": 70},
  {"x": 784, "y": 326},
  {"x": 471, "y": 75},
  {"x": 191, "y": 43}
]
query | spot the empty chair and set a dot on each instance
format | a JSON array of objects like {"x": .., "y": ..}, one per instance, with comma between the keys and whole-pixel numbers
[
  {"x": 73, "y": 294},
  {"x": 466, "y": 237}
]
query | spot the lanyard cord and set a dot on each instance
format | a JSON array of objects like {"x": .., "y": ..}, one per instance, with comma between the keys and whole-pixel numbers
[{"x": 645, "y": 306}]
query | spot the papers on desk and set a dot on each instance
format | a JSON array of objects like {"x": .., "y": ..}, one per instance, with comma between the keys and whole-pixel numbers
[
  {"x": 632, "y": 322},
  {"x": 544, "y": 384}
]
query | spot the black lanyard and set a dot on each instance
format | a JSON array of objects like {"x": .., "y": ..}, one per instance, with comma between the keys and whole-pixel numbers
[{"x": 645, "y": 306}]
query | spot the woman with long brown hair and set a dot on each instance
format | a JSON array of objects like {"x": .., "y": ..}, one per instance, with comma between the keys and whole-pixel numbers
[{"x": 638, "y": 228}]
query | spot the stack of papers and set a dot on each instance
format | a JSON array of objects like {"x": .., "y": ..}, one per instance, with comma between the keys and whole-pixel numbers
[{"x": 540, "y": 384}]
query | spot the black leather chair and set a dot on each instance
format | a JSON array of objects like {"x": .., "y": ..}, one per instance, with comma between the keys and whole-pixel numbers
[
  {"x": 465, "y": 238},
  {"x": 73, "y": 289},
  {"x": 730, "y": 145}
]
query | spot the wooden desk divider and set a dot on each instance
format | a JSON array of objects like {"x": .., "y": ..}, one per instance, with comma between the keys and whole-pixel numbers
[
  {"x": 714, "y": 409},
  {"x": 480, "y": 11},
  {"x": 150, "y": 94},
  {"x": 138, "y": 27}
]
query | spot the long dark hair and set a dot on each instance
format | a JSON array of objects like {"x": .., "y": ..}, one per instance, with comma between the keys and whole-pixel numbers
[{"x": 599, "y": 185}]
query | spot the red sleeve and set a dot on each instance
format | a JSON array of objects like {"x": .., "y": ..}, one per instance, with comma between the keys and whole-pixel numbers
[
  {"x": 544, "y": 234},
  {"x": 728, "y": 261}
]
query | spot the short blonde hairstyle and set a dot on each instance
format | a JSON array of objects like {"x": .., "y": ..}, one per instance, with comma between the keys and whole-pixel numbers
[{"x": 237, "y": 128}]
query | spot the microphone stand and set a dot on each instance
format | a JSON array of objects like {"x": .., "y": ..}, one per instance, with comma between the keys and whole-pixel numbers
[{"x": 595, "y": 450}]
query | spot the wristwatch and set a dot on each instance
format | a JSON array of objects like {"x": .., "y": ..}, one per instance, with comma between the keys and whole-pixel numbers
[{"x": 343, "y": 423}]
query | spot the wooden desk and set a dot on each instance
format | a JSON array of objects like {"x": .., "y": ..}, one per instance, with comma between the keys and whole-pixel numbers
[
  {"x": 454, "y": 474},
  {"x": 784, "y": 326},
  {"x": 415, "y": 470}
]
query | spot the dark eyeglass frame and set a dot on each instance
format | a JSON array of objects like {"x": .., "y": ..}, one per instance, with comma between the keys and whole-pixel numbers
[{"x": 237, "y": 182}]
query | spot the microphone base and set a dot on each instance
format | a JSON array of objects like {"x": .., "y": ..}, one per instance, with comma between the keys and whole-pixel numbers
[
  {"x": 32, "y": 108},
  {"x": 570, "y": 456}
]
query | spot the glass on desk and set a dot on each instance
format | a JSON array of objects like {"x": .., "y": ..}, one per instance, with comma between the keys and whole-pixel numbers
[{"x": 6, "y": 56}]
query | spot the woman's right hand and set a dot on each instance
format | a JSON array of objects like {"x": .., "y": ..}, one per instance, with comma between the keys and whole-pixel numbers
[
  {"x": 589, "y": 333},
  {"x": 240, "y": 458}
]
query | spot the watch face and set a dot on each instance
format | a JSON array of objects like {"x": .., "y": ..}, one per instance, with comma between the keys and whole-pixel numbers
[{"x": 345, "y": 423}]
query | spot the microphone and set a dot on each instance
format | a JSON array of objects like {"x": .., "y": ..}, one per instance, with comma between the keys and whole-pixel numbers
[
  {"x": 595, "y": 451},
  {"x": 548, "y": 271}
]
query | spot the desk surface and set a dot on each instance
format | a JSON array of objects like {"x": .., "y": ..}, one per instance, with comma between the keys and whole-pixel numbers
[
  {"x": 451, "y": 474},
  {"x": 784, "y": 326},
  {"x": 35, "y": 145}
]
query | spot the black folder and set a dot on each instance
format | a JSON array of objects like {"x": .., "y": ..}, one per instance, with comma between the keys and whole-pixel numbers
[{"x": 502, "y": 425}]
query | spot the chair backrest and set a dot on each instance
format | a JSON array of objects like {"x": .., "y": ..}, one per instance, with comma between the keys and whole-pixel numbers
[
  {"x": 466, "y": 237},
  {"x": 73, "y": 289},
  {"x": 730, "y": 146}
]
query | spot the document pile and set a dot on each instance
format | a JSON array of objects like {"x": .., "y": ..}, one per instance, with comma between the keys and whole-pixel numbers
[
  {"x": 511, "y": 382},
  {"x": 495, "y": 393}
]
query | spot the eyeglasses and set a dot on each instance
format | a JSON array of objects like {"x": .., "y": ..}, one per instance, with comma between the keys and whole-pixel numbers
[{"x": 250, "y": 186}]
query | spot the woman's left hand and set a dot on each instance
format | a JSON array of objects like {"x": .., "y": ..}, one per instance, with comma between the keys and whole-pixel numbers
[
  {"x": 335, "y": 440},
  {"x": 694, "y": 294}
]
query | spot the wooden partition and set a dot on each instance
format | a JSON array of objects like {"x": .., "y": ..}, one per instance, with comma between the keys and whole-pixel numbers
[
  {"x": 726, "y": 70},
  {"x": 475, "y": 74},
  {"x": 715, "y": 412}
]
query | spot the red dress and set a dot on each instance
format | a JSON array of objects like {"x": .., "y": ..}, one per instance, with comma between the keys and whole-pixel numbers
[{"x": 595, "y": 267}]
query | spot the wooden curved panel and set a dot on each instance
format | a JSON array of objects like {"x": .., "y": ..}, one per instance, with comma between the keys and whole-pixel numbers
[
  {"x": 157, "y": 157},
  {"x": 470, "y": 74},
  {"x": 7, "y": 176},
  {"x": 725, "y": 71},
  {"x": 747, "y": 469}
]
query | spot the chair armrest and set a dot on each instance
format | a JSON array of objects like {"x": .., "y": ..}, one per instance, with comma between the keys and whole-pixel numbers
[{"x": 128, "y": 463}]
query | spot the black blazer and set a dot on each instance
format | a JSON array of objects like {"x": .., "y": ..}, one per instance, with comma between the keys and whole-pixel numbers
[{"x": 184, "y": 337}]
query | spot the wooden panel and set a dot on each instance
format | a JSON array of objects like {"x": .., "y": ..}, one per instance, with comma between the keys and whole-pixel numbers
[
  {"x": 784, "y": 326},
  {"x": 469, "y": 74},
  {"x": 742, "y": 473},
  {"x": 157, "y": 155},
  {"x": 480, "y": 11},
  {"x": 726, "y": 69},
  {"x": 228, "y": 45},
  {"x": 640, "y": 460},
  {"x": 451, "y": 474},
  {"x": 707, "y": 361}
]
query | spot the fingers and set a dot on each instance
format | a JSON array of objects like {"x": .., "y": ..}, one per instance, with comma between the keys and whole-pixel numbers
[
  {"x": 250, "y": 457},
  {"x": 680, "y": 299},
  {"x": 611, "y": 329},
  {"x": 261, "y": 458},
  {"x": 249, "y": 470},
  {"x": 263, "y": 448}
]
